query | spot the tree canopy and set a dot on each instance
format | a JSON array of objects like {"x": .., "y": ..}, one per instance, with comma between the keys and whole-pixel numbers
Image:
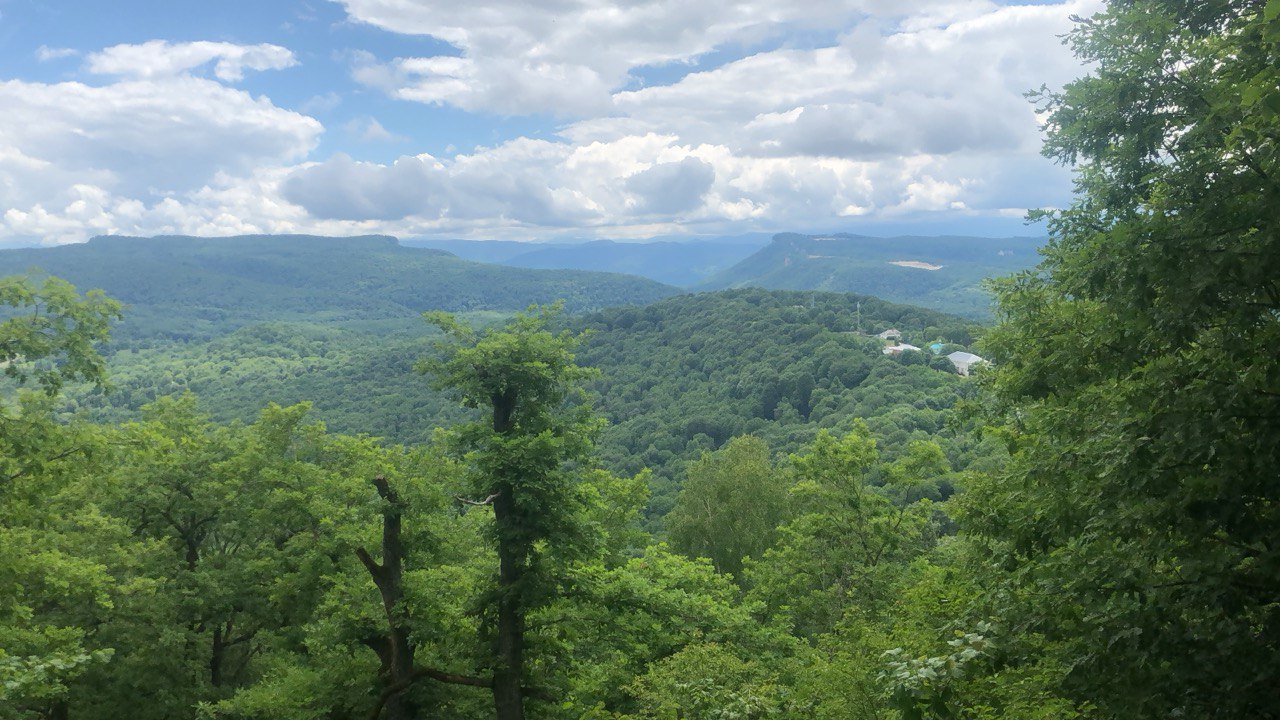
[{"x": 1138, "y": 373}]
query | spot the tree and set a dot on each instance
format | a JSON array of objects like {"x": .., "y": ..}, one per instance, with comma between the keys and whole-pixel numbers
[
  {"x": 371, "y": 579},
  {"x": 48, "y": 337},
  {"x": 218, "y": 515},
  {"x": 522, "y": 460},
  {"x": 731, "y": 505},
  {"x": 1138, "y": 375},
  {"x": 51, "y": 335},
  {"x": 57, "y": 557},
  {"x": 849, "y": 541}
]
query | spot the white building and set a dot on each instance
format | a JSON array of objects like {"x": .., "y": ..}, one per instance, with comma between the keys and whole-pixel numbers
[
  {"x": 964, "y": 360},
  {"x": 895, "y": 349}
]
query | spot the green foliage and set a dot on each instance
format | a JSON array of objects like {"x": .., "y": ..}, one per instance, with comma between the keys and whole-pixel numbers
[
  {"x": 616, "y": 622},
  {"x": 49, "y": 332},
  {"x": 708, "y": 681},
  {"x": 1137, "y": 376},
  {"x": 56, "y": 570},
  {"x": 925, "y": 687},
  {"x": 685, "y": 375},
  {"x": 677, "y": 378},
  {"x": 521, "y": 376},
  {"x": 223, "y": 570},
  {"x": 356, "y": 380},
  {"x": 849, "y": 543},
  {"x": 730, "y": 506},
  {"x": 524, "y": 459},
  {"x": 613, "y": 508}
]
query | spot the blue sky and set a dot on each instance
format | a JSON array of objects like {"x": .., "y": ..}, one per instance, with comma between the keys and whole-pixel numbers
[{"x": 512, "y": 120}]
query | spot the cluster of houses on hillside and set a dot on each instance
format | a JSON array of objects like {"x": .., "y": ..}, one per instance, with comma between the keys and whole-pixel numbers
[{"x": 961, "y": 359}]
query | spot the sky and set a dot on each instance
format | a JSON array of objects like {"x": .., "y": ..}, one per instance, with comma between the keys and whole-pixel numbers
[{"x": 519, "y": 120}]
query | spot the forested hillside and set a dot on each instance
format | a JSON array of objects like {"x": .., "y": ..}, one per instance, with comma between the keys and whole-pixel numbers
[
  {"x": 685, "y": 262},
  {"x": 683, "y": 376},
  {"x": 184, "y": 288},
  {"x": 943, "y": 273},
  {"x": 678, "y": 377}
]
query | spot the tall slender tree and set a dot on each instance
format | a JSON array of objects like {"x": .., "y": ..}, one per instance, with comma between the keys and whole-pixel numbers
[{"x": 521, "y": 459}]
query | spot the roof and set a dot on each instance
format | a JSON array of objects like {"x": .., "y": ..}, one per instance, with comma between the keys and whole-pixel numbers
[
  {"x": 899, "y": 348},
  {"x": 967, "y": 358}
]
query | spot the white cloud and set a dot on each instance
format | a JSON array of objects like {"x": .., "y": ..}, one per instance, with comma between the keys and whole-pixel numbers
[
  {"x": 348, "y": 190},
  {"x": 915, "y": 110},
  {"x": 630, "y": 181},
  {"x": 565, "y": 57},
  {"x": 45, "y": 53},
  {"x": 924, "y": 115},
  {"x": 672, "y": 188},
  {"x": 228, "y": 205},
  {"x": 77, "y": 159},
  {"x": 137, "y": 136},
  {"x": 937, "y": 90},
  {"x": 368, "y": 129},
  {"x": 158, "y": 58}
]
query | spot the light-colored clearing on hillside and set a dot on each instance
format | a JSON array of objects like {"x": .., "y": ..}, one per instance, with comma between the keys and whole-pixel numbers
[{"x": 915, "y": 264}]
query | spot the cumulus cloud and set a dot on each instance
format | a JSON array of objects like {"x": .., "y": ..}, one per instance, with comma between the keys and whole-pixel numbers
[
  {"x": 571, "y": 54},
  {"x": 937, "y": 90},
  {"x": 505, "y": 85},
  {"x": 674, "y": 187},
  {"x": 136, "y": 136},
  {"x": 342, "y": 188},
  {"x": 523, "y": 182},
  {"x": 626, "y": 183},
  {"x": 158, "y": 58},
  {"x": 77, "y": 158},
  {"x": 923, "y": 114}
]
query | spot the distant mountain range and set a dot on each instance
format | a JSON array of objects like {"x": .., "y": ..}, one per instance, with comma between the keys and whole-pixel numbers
[
  {"x": 193, "y": 288},
  {"x": 188, "y": 288},
  {"x": 943, "y": 273},
  {"x": 676, "y": 262}
]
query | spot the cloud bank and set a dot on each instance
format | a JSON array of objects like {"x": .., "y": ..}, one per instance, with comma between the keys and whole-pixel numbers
[{"x": 767, "y": 115}]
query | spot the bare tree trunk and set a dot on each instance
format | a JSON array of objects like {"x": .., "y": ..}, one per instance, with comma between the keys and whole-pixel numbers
[
  {"x": 396, "y": 651},
  {"x": 508, "y": 698},
  {"x": 215, "y": 656},
  {"x": 508, "y": 673}
]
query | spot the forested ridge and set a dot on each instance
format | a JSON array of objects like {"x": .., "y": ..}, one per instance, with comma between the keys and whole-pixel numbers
[
  {"x": 942, "y": 273},
  {"x": 192, "y": 289},
  {"x": 723, "y": 505}
]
